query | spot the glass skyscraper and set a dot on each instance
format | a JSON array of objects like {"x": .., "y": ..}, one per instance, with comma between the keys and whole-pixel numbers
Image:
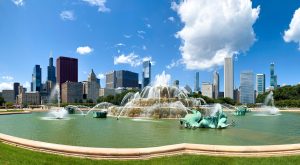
[
  {"x": 36, "y": 78},
  {"x": 197, "y": 88},
  {"x": 260, "y": 83},
  {"x": 247, "y": 87},
  {"x": 273, "y": 77},
  {"x": 216, "y": 85},
  {"x": 51, "y": 71},
  {"x": 146, "y": 73}
]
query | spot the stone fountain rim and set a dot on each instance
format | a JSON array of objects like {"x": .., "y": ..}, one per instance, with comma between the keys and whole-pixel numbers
[{"x": 150, "y": 152}]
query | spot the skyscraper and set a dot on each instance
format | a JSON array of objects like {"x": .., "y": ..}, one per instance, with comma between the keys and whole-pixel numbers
[
  {"x": 16, "y": 89},
  {"x": 207, "y": 89},
  {"x": 228, "y": 77},
  {"x": 176, "y": 83},
  {"x": 67, "y": 70},
  {"x": 91, "y": 87},
  {"x": 51, "y": 71},
  {"x": 216, "y": 85},
  {"x": 273, "y": 77},
  {"x": 36, "y": 78},
  {"x": 197, "y": 88},
  {"x": 122, "y": 78},
  {"x": 146, "y": 73},
  {"x": 260, "y": 83},
  {"x": 247, "y": 87}
]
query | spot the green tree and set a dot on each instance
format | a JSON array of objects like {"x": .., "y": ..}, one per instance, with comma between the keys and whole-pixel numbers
[{"x": 2, "y": 101}]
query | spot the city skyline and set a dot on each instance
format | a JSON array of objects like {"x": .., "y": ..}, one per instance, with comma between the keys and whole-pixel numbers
[{"x": 147, "y": 37}]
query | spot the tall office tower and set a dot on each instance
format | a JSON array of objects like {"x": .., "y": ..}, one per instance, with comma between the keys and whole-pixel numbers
[
  {"x": 51, "y": 71},
  {"x": 176, "y": 83},
  {"x": 16, "y": 89},
  {"x": 247, "y": 87},
  {"x": 273, "y": 77},
  {"x": 146, "y": 73},
  {"x": 91, "y": 87},
  {"x": 36, "y": 79},
  {"x": 216, "y": 85},
  {"x": 67, "y": 70},
  {"x": 228, "y": 77},
  {"x": 123, "y": 79},
  {"x": 196, "y": 87},
  {"x": 260, "y": 83}
]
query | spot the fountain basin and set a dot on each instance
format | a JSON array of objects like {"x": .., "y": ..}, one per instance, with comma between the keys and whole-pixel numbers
[{"x": 99, "y": 114}]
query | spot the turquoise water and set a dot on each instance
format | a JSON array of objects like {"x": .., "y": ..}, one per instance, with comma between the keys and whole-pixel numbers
[{"x": 87, "y": 131}]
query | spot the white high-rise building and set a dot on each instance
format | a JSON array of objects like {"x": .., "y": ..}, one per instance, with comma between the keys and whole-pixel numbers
[
  {"x": 207, "y": 89},
  {"x": 216, "y": 85},
  {"x": 228, "y": 77}
]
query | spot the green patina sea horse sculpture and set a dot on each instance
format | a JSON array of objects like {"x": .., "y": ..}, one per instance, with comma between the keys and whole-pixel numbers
[{"x": 196, "y": 120}]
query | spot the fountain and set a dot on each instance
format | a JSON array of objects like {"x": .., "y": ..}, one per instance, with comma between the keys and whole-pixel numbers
[
  {"x": 269, "y": 108},
  {"x": 158, "y": 100},
  {"x": 217, "y": 119},
  {"x": 241, "y": 111}
]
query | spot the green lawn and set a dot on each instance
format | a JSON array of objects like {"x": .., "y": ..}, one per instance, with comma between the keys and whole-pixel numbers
[{"x": 10, "y": 155}]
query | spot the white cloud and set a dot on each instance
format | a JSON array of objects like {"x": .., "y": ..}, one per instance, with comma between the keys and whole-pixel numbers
[
  {"x": 172, "y": 19},
  {"x": 6, "y": 86},
  {"x": 7, "y": 78},
  {"x": 119, "y": 45},
  {"x": 18, "y": 2},
  {"x": 132, "y": 59},
  {"x": 127, "y": 36},
  {"x": 293, "y": 33},
  {"x": 67, "y": 15},
  {"x": 101, "y": 76},
  {"x": 27, "y": 85},
  {"x": 174, "y": 64},
  {"x": 83, "y": 50},
  {"x": 141, "y": 32},
  {"x": 148, "y": 25},
  {"x": 214, "y": 29},
  {"x": 98, "y": 3},
  {"x": 144, "y": 47}
]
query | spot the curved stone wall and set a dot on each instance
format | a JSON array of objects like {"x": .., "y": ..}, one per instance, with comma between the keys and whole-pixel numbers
[{"x": 145, "y": 153}]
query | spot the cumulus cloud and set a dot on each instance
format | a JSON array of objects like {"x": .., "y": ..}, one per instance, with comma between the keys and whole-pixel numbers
[
  {"x": 132, "y": 59},
  {"x": 174, "y": 64},
  {"x": 98, "y": 3},
  {"x": 18, "y": 2},
  {"x": 172, "y": 19},
  {"x": 7, "y": 78},
  {"x": 67, "y": 15},
  {"x": 148, "y": 25},
  {"x": 293, "y": 33},
  {"x": 83, "y": 50},
  {"x": 6, "y": 86},
  {"x": 214, "y": 29},
  {"x": 127, "y": 36},
  {"x": 101, "y": 76}
]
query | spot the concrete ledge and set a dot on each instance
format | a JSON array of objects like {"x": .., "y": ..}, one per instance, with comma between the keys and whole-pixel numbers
[
  {"x": 13, "y": 113},
  {"x": 145, "y": 153}
]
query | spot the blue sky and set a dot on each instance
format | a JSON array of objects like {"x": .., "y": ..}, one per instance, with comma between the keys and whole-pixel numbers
[{"x": 99, "y": 33}]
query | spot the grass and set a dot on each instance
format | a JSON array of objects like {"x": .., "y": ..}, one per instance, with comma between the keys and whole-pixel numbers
[{"x": 10, "y": 155}]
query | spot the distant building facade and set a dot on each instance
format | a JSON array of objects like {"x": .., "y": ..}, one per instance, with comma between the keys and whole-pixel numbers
[
  {"x": 71, "y": 92},
  {"x": 228, "y": 77},
  {"x": 103, "y": 92},
  {"x": 67, "y": 70},
  {"x": 29, "y": 98},
  {"x": 9, "y": 96},
  {"x": 260, "y": 83},
  {"x": 146, "y": 73},
  {"x": 207, "y": 89},
  {"x": 36, "y": 79},
  {"x": 91, "y": 87},
  {"x": 216, "y": 85},
  {"x": 247, "y": 87},
  {"x": 122, "y": 79},
  {"x": 196, "y": 81}
]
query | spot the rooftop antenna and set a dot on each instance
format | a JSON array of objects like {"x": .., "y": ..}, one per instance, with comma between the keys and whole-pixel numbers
[{"x": 50, "y": 54}]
